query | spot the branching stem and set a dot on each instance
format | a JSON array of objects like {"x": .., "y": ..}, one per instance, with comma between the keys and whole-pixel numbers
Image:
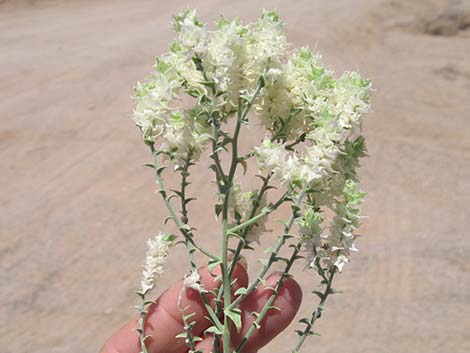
[
  {"x": 141, "y": 322},
  {"x": 275, "y": 251},
  {"x": 183, "y": 228},
  {"x": 316, "y": 313},
  {"x": 254, "y": 209}
]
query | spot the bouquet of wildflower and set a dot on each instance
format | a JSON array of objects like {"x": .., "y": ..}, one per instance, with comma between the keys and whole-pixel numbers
[{"x": 208, "y": 88}]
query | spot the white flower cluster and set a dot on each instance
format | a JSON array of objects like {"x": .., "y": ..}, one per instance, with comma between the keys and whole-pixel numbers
[
  {"x": 183, "y": 131},
  {"x": 313, "y": 120},
  {"x": 155, "y": 259},
  {"x": 315, "y": 117},
  {"x": 334, "y": 248},
  {"x": 292, "y": 170},
  {"x": 193, "y": 280},
  {"x": 230, "y": 60}
]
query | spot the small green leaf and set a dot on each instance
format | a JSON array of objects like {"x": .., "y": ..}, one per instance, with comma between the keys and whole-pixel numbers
[
  {"x": 236, "y": 317},
  {"x": 262, "y": 281},
  {"x": 318, "y": 293},
  {"x": 213, "y": 330},
  {"x": 244, "y": 165},
  {"x": 240, "y": 291},
  {"x": 213, "y": 264},
  {"x": 189, "y": 316}
]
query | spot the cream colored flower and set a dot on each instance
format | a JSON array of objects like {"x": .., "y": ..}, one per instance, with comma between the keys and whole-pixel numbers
[{"x": 155, "y": 259}]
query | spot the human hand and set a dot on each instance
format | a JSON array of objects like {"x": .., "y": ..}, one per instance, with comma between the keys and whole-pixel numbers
[{"x": 164, "y": 321}]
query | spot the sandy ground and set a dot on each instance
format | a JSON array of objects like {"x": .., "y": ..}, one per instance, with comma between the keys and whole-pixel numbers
[{"x": 76, "y": 204}]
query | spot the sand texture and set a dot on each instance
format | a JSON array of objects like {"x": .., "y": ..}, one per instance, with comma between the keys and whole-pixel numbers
[{"x": 76, "y": 203}]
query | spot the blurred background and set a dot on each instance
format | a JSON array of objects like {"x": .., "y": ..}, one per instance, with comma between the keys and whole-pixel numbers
[{"x": 76, "y": 205}]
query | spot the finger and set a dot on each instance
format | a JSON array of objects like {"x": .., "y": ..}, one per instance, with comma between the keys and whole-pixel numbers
[
  {"x": 164, "y": 321},
  {"x": 275, "y": 321},
  {"x": 206, "y": 345}
]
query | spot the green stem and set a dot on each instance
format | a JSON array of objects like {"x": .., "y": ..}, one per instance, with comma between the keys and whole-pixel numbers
[
  {"x": 184, "y": 210},
  {"x": 183, "y": 228},
  {"x": 226, "y": 195},
  {"x": 279, "y": 243},
  {"x": 241, "y": 116},
  {"x": 294, "y": 256},
  {"x": 236, "y": 133},
  {"x": 316, "y": 313},
  {"x": 319, "y": 309},
  {"x": 257, "y": 201},
  {"x": 279, "y": 133},
  {"x": 256, "y": 218},
  {"x": 219, "y": 172},
  {"x": 268, "y": 305},
  {"x": 223, "y": 185},
  {"x": 254, "y": 209},
  {"x": 188, "y": 334},
  {"x": 212, "y": 314},
  {"x": 189, "y": 246},
  {"x": 225, "y": 274},
  {"x": 141, "y": 322}
]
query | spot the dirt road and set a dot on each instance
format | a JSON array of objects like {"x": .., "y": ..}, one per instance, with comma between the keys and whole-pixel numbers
[{"x": 76, "y": 204}]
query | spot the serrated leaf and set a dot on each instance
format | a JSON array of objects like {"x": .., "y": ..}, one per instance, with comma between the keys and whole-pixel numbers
[
  {"x": 318, "y": 293},
  {"x": 213, "y": 264},
  {"x": 188, "y": 316},
  {"x": 185, "y": 227},
  {"x": 213, "y": 330},
  {"x": 218, "y": 209},
  {"x": 179, "y": 193},
  {"x": 262, "y": 281},
  {"x": 171, "y": 197},
  {"x": 244, "y": 165},
  {"x": 280, "y": 258},
  {"x": 240, "y": 291},
  {"x": 235, "y": 316}
]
